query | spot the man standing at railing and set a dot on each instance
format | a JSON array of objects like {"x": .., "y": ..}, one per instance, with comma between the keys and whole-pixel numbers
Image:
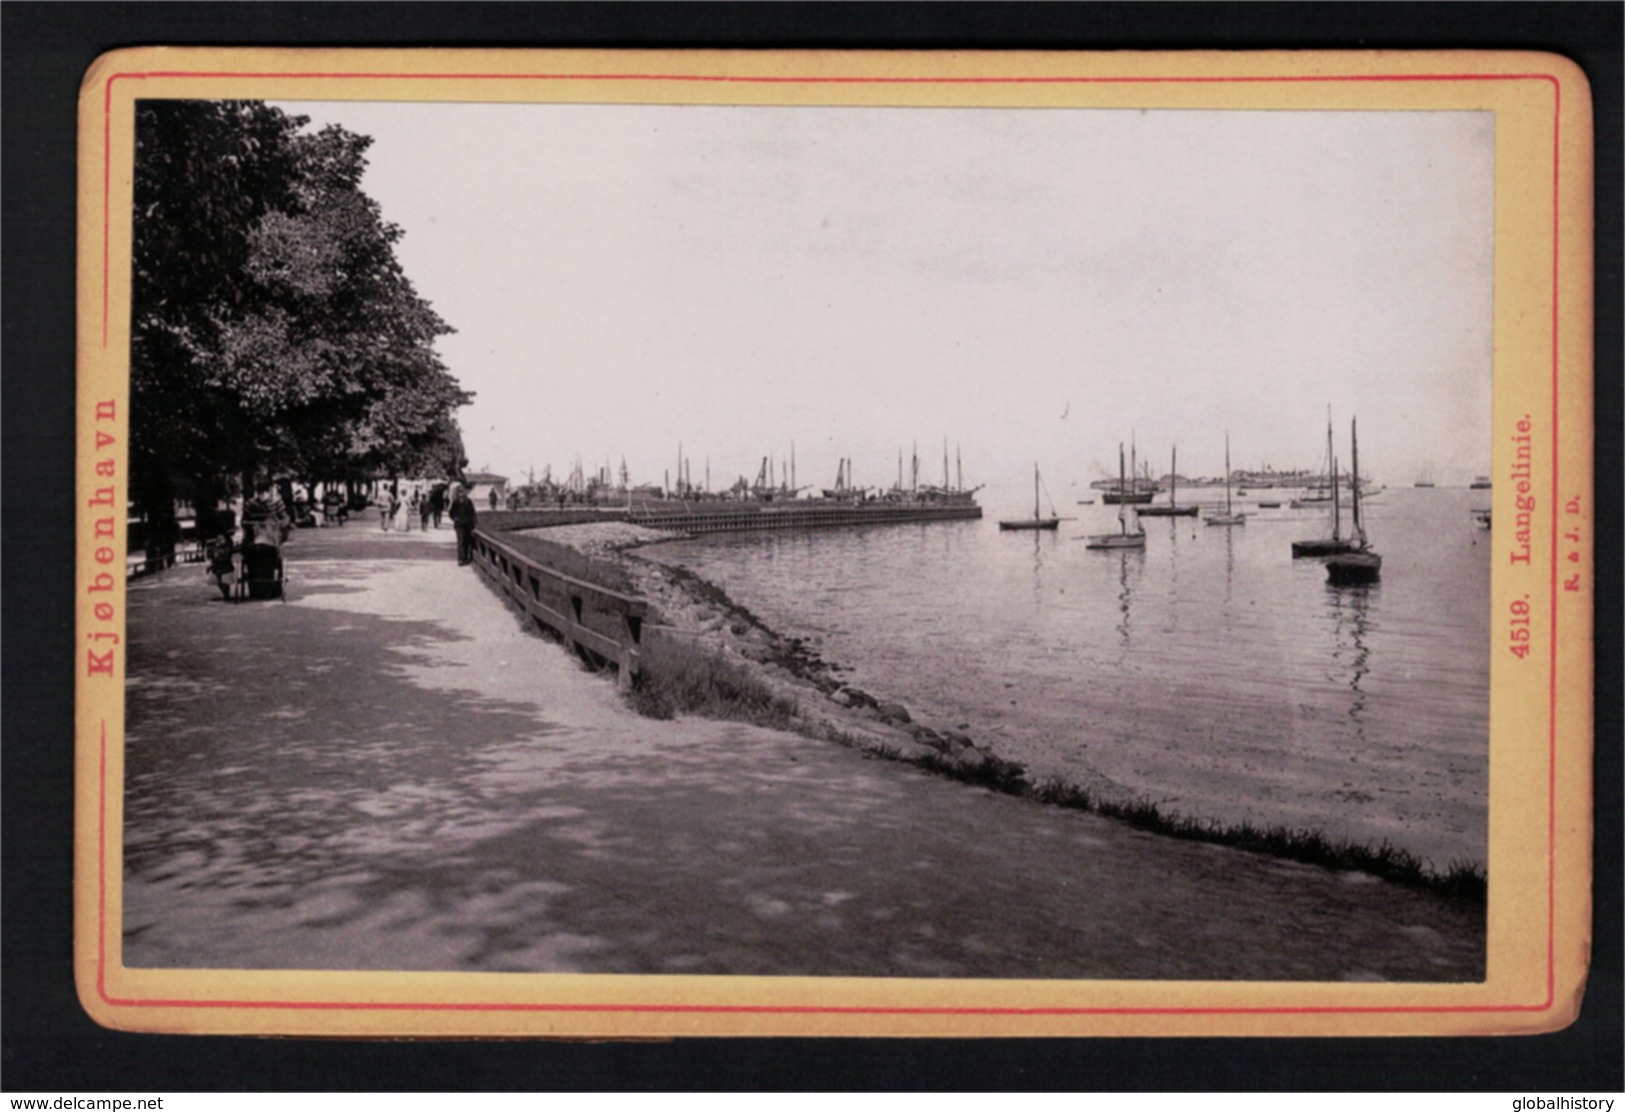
[{"x": 463, "y": 517}]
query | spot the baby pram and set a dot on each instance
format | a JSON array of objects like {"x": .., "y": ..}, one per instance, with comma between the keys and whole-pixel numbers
[{"x": 248, "y": 562}]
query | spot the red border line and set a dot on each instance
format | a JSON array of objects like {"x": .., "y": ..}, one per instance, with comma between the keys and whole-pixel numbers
[
  {"x": 1551, "y": 790},
  {"x": 1551, "y": 739}
]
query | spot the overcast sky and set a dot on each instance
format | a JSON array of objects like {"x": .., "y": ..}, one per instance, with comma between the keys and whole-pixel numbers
[{"x": 1031, "y": 285}]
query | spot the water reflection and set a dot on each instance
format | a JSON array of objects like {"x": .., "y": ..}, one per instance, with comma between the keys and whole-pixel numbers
[
  {"x": 1351, "y": 621},
  {"x": 1125, "y": 588},
  {"x": 1039, "y": 556}
]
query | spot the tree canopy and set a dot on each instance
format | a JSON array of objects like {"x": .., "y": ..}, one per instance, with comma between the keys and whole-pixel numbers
[{"x": 274, "y": 332}]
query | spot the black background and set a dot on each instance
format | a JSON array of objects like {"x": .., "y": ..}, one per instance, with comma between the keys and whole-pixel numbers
[{"x": 49, "y": 1044}]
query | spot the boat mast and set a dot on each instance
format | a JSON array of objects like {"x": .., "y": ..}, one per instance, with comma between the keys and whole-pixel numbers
[
  {"x": 1122, "y": 499},
  {"x": 1337, "y": 506},
  {"x": 1035, "y": 492},
  {"x": 1331, "y": 463},
  {"x": 1354, "y": 444},
  {"x": 1227, "y": 473},
  {"x": 1173, "y": 478}
]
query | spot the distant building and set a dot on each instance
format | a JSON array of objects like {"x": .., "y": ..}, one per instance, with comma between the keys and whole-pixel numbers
[{"x": 480, "y": 485}]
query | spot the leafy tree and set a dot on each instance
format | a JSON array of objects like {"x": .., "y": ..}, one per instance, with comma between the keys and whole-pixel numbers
[{"x": 275, "y": 333}]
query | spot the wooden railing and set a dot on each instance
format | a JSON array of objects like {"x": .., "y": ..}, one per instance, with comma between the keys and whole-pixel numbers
[{"x": 599, "y": 624}]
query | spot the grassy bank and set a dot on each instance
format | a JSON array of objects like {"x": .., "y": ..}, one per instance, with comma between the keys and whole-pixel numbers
[
  {"x": 679, "y": 677},
  {"x": 1462, "y": 880}
]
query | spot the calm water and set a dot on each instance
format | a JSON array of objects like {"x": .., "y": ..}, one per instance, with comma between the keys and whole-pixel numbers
[{"x": 1211, "y": 673}]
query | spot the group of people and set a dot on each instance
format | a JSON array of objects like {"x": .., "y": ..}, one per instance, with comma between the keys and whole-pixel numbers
[
  {"x": 429, "y": 506},
  {"x": 424, "y": 505}
]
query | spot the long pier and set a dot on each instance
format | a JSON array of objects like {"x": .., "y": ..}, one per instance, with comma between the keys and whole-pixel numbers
[
  {"x": 738, "y": 518},
  {"x": 728, "y": 517}
]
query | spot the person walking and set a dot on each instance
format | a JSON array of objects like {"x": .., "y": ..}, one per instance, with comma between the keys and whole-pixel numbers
[
  {"x": 388, "y": 505},
  {"x": 423, "y": 500},
  {"x": 463, "y": 519},
  {"x": 437, "y": 503}
]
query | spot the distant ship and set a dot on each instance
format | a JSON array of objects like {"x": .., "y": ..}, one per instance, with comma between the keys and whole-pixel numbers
[
  {"x": 1132, "y": 490},
  {"x": 1482, "y": 482}
]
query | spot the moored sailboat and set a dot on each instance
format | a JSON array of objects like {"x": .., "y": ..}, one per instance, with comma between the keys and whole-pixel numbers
[
  {"x": 1324, "y": 489},
  {"x": 1036, "y": 521},
  {"x": 1230, "y": 516},
  {"x": 1336, "y": 543},
  {"x": 1126, "y": 537},
  {"x": 1173, "y": 508},
  {"x": 1362, "y": 565},
  {"x": 1135, "y": 491}
]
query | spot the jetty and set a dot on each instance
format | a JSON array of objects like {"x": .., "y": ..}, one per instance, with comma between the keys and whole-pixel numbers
[
  {"x": 730, "y": 516},
  {"x": 723, "y": 517}
]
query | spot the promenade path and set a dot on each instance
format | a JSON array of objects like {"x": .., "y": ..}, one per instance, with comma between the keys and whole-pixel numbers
[{"x": 387, "y": 771}]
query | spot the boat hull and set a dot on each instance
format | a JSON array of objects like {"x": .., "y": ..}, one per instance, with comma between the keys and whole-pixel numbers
[
  {"x": 1029, "y": 526},
  {"x": 1227, "y": 519},
  {"x": 1116, "y": 541},
  {"x": 1128, "y": 498},
  {"x": 1325, "y": 547},
  {"x": 1354, "y": 569},
  {"x": 1168, "y": 511}
]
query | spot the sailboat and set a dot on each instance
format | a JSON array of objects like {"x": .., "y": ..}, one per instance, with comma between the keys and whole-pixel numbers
[
  {"x": 1336, "y": 543},
  {"x": 1125, "y": 537},
  {"x": 1136, "y": 492},
  {"x": 1036, "y": 521},
  {"x": 1327, "y": 491},
  {"x": 1173, "y": 508},
  {"x": 1229, "y": 517},
  {"x": 1362, "y": 565}
]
